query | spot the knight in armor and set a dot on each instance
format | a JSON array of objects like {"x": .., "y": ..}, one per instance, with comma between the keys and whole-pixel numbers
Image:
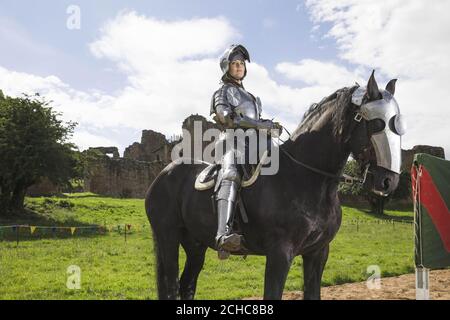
[{"x": 234, "y": 108}]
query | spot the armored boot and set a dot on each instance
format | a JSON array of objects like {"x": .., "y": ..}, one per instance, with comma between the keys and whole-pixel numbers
[{"x": 226, "y": 240}]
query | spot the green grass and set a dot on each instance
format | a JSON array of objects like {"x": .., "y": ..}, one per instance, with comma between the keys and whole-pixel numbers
[{"x": 114, "y": 269}]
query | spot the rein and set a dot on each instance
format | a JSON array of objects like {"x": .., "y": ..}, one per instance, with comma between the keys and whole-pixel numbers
[{"x": 345, "y": 178}]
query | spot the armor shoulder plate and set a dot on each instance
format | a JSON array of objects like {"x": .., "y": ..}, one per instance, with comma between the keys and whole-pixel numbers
[{"x": 219, "y": 98}]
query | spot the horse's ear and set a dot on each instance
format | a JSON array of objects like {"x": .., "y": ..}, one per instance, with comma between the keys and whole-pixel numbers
[
  {"x": 372, "y": 88},
  {"x": 391, "y": 86}
]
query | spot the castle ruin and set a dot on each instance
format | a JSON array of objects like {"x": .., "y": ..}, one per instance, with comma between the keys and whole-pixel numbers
[{"x": 131, "y": 175}]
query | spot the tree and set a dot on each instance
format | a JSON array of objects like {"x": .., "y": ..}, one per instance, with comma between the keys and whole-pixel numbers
[
  {"x": 33, "y": 144},
  {"x": 352, "y": 168}
]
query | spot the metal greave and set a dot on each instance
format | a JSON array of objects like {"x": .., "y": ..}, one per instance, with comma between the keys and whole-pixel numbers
[{"x": 226, "y": 204}]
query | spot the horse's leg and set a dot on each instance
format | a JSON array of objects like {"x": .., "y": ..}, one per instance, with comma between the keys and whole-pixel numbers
[
  {"x": 195, "y": 258},
  {"x": 313, "y": 265},
  {"x": 278, "y": 263},
  {"x": 167, "y": 246}
]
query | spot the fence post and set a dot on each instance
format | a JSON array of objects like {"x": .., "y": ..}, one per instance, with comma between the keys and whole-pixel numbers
[
  {"x": 422, "y": 283},
  {"x": 17, "y": 235}
]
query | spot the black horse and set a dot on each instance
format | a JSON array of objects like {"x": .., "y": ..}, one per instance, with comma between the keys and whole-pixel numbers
[{"x": 294, "y": 212}]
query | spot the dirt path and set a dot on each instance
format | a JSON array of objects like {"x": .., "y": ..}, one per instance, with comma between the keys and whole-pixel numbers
[{"x": 393, "y": 288}]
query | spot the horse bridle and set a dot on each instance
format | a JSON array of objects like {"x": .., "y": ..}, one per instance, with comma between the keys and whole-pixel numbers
[{"x": 345, "y": 178}]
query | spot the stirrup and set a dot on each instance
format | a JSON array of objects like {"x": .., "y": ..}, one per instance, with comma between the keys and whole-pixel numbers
[{"x": 230, "y": 242}]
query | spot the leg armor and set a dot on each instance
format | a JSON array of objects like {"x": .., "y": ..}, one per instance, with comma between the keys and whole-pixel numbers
[{"x": 230, "y": 183}]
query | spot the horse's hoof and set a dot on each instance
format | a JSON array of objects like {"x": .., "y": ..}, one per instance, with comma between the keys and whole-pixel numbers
[{"x": 223, "y": 255}]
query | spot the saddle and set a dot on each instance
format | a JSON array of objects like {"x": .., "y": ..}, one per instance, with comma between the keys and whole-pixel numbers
[{"x": 208, "y": 177}]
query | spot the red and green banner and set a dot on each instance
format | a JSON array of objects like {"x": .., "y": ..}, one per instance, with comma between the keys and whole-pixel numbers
[{"x": 430, "y": 177}]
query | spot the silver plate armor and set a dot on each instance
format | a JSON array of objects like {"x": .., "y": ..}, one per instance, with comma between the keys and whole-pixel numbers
[
  {"x": 244, "y": 104},
  {"x": 234, "y": 102},
  {"x": 387, "y": 142}
]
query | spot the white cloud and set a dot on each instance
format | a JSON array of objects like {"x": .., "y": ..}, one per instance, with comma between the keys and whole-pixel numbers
[
  {"x": 407, "y": 40},
  {"x": 140, "y": 44},
  {"x": 320, "y": 79},
  {"x": 285, "y": 102},
  {"x": 74, "y": 105},
  {"x": 171, "y": 67},
  {"x": 84, "y": 139},
  {"x": 314, "y": 72},
  {"x": 172, "y": 70}
]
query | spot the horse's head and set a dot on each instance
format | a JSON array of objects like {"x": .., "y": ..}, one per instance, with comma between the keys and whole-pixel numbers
[{"x": 376, "y": 140}]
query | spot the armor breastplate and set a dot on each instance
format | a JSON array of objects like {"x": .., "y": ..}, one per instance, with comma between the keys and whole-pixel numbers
[{"x": 243, "y": 103}]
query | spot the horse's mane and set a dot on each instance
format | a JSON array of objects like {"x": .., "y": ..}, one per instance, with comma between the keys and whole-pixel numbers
[{"x": 339, "y": 101}]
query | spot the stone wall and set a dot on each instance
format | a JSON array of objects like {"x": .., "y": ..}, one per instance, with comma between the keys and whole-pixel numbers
[
  {"x": 126, "y": 178},
  {"x": 131, "y": 175},
  {"x": 108, "y": 150},
  {"x": 408, "y": 155},
  {"x": 153, "y": 147}
]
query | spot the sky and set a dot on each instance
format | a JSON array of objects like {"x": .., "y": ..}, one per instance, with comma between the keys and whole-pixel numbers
[{"x": 117, "y": 69}]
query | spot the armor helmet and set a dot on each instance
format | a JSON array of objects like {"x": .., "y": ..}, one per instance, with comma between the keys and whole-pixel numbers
[{"x": 234, "y": 51}]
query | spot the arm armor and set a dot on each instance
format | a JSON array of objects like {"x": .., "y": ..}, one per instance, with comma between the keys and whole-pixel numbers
[
  {"x": 246, "y": 122},
  {"x": 222, "y": 109}
]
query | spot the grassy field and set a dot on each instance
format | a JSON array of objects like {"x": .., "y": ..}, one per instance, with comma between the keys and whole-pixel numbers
[{"x": 114, "y": 269}]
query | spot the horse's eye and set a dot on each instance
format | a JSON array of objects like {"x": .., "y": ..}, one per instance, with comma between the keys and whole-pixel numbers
[{"x": 377, "y": 125}]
